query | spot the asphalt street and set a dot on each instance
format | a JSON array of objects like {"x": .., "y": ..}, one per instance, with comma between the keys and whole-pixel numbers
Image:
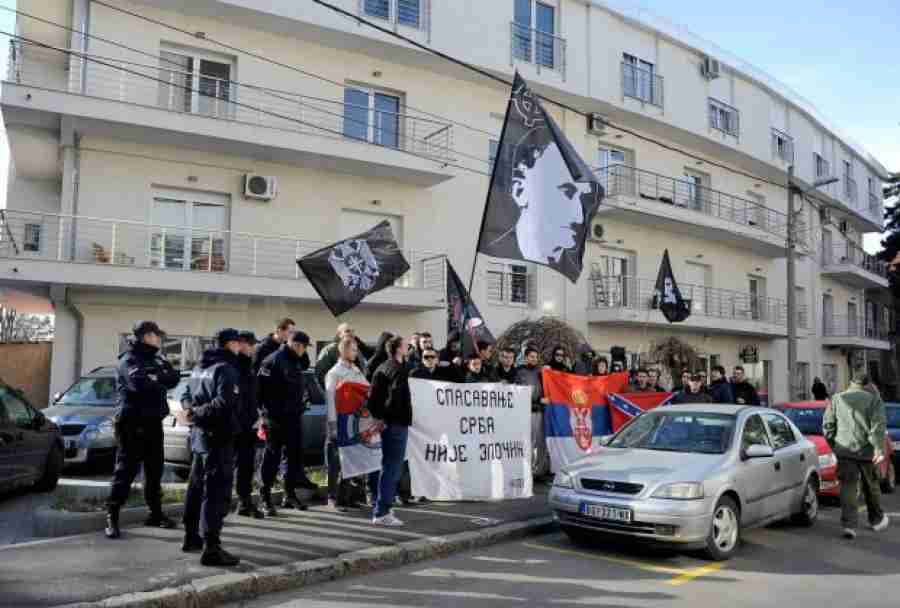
[{"x": 777, "y": 566}]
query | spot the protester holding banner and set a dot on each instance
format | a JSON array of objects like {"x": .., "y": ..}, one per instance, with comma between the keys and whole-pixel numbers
[
  {"x": 430, "y": 370},
  {"x": 642, "y": 383},
  {"x": 475, "y": 372},
  {"x": 654, "y": 380},
  {"x": 530, "y": 375}
]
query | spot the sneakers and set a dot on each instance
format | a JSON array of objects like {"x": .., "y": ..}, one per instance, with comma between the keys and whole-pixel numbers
[
  {"x": 248, "y": 509},
  {"x": 388, "y": 521},
  {"x": 112, "y": 523},
  {"x": 849, "y": 533},
  {"x": 291, "y": 501},
  {"x": 336, "y": 506},
  {"x": 217, "y": 556},
  {"x": 882, "y": 525},
  {"x": 159, "y": 520},
  {"x": 192, "y": 542}
]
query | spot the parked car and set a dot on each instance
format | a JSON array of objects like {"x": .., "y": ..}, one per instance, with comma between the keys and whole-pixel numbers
[
  {"x": 892, "y": 409},
  {"x": 31, "y": 447},
  {"x": 84, "y": 413},
  {"x": 176, "y": 435},
  {"x": 691, "y": 476},
  {"x": 808, "y": 416}
]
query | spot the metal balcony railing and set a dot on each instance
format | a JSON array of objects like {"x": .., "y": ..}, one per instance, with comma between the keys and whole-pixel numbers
[
  {"x": 851, "y": 253},
  {"x": 850, "y": 189},
  {"x": 540, "y": 48},
  {"x": 837, "y": 326},
  {"x": 170, "y": 88},
  {"x": 638, "y": 183},
  {"x": 510, "y": 288},
  {"x": 642, "y": 84},
  {"x": 640, "y": 294},
  {"x": 90, "y": 240}
]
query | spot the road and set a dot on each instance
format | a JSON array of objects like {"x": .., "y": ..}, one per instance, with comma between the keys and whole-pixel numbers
[{"x": 777, "y": 566}]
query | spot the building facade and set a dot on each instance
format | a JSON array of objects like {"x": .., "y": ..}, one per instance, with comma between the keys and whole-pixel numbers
[{"x": 162, "y": 173}]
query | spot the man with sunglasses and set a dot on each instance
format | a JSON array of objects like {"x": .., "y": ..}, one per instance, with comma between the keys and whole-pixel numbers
[{"x": 429, "y": 369}]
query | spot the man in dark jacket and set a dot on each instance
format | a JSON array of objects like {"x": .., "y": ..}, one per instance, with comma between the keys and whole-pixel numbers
[
  {"x": 390, "y": 402},
  {"x": 143, "y": 377},
  {"x": 430, "y": 370},
  {"x": 720, "y": 388},
  {"x": 283, "y": 331},
  {"x": 211, "y": 402},
  {"x": 475, "y": 371},
  {"x": 488, "y": 369},
  {"x": 281, "y": 391},
  {"x": 248, "y": 414},
  {"x": 330, "y": 355},
  {"x": 506, "y": 371},
  {"x": 530, "y": 375},
  {"x": 744, "y": 392},
  {"x": 642, "y": 383},
  {"x": 819, "y": 390},
  {"x": 693, "y": 393}
]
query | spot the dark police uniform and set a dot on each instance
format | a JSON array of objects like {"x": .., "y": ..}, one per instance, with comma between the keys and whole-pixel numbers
[
  {"x": 245, "y": 443},
  {"x": 143, "y": 378},
  {"x": 213, "y": 395},
  {"x": 281, "y": 390}
]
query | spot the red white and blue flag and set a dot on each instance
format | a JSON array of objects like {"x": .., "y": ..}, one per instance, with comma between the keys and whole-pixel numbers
[
  {"x": 358, "y": 433},
  {"x": 626, "y": 407}
]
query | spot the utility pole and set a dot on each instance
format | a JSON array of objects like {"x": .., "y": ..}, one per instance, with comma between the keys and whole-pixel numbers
[{"x": 791, "y": 290}]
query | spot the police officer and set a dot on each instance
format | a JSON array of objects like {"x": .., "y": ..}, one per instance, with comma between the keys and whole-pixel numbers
[
  {"x": 143, "y": 378},
  {"x": 211, "y": 402},
  {"x": 245, "y": 444},
  {"x": 281, "y": 390}
]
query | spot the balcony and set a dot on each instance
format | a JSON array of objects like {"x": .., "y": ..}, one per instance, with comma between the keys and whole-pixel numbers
[
  {"x": 851, "y": 265},
  {"x": 83, "y": 251},
  {"x": 617, "y": 301},
  {"x": 544, "y": 51},
  {"x": 656, "y": 200},
  {"x": 853, "y": 332},
  {"x": 111, "y": 95},
  {"x": 641, "y": 84}
]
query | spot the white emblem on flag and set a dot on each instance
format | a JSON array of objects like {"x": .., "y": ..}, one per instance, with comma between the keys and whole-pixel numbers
[{"x": 354, "y": 262}]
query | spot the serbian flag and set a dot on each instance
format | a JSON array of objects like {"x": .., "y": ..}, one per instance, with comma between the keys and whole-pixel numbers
[
  {"x": 578, "y": 413},
  {"x": 624, "y": 408},
  {"x": 358, "y": 434}
]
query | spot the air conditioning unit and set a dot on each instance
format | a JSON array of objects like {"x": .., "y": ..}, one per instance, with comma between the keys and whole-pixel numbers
[
  {"x": 260, "y": 187},
  {"x": 597, "y": 124},
  {"x": 710, "y": 68},
  {"x": 825, "y": 215}
]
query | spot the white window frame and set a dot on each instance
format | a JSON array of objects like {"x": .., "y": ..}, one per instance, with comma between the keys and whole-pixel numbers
[
  {"x": 644, "y": 79},
  {"x": 724, "y": 117},
  {"x": 507, "y": 270},
  {"x": 30, "y": 229},
  {"x": 370, "y": 117},
  {"x": 198, "y": 55},
  {"x": 189, "y": 199},
  {"x": 782, "y": 146},
  {"x": 393, "y": 16}
]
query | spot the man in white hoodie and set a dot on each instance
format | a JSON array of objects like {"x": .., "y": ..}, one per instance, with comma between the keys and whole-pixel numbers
[{"x": 345, "y": 370}]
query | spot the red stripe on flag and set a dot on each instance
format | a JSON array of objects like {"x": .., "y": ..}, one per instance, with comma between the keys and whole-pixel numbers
[
  {"x": 581, "y": 391},
  {"x": 350, "y": 397}
]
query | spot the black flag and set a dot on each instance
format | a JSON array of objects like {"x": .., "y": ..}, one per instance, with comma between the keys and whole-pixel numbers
[
  {"x": 542, "y": 196},
  {"x": 667, "y": 295},
  {"x": 345, "y": 273},
  {"x": 463, "y": 316}
]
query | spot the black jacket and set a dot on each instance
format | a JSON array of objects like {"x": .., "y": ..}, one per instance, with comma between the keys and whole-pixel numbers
[
  {"x": 819, "y": 391},
  {"x": 720, "y": 391},
  {"x": 143, "y": 378},
  {"x": 744, "y": 390},
  {"x": 489, "y": 373},
  {"x": 473, "y": 378},
  {"x": 248, "y": 412},
  {"x": 269, "y": 346},
  {"x": 281, "y": 384},
  {"x": 214, "y": 394},
  {"x": 533, "y": 377},
  {"x": 686, "y": 397},
  {"x": 508, "y": 377},
  {"x": 441, "y": 374},
  {"x": 389, "y": 399},
  {"x": 379, "y": 355}
]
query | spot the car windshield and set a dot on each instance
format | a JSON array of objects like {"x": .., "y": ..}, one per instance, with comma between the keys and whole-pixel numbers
[
  {"x": 893, "y": 417},
  {"x": 697, "y": 432},
  {"x": 91, "y": 391},
  {"x": 807, "y": 419}
]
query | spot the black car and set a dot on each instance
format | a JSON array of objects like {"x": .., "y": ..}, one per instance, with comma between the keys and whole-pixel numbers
[{"x": 31, "y": 447}]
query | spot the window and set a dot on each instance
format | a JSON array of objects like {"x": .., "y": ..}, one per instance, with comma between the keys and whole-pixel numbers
[
  {"x": 849, "y": 182},
  {"x": 534, "y": 33},
  {"x": 617, "y": 164},
  {"x": 802, "y": 310},
  {"x": 404, "y": 12},
  {"x": 852, "y": 319},
  {"x": 509, "y": 284},
  {"x": 639, "y": 80},
  {"x": 757, "y": 298},
  {"x": 189, "y": 231},
  {"x": 372, "y": 116},
  {"x": 754, "y": 433},
  {"x": 723, "y": 117},
  {"x": 782, "y": 146},
  {"x": 695, "y": 184},
  {"x": 874, "y": 197},
  {"x": 493, "y": 147},
  {"x": 802, "y": 377},
  {"x": 822, "y": 168},
  {"x": 610, "y": 281},
  {"x": 17, "y": 411},
  {"x": 782, "y": 433},
  {"x": 377, "y": 8},
  {"x": 32, "y": 240},
  {"x": 196, "y": 82}
]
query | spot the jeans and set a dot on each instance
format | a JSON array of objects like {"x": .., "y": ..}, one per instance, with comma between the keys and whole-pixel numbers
[
  {"x": 393, "y": 455},
  {"x": 852, "y": 473},
  {"x": 139, "y": 444}
]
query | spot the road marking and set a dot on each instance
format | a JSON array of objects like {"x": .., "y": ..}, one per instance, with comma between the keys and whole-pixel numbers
[
  {"x": 504, "y": 560},
  {"x": 462, "y": 594},
  {"x": 693, "y": 573},
  {"x": 352, "y": 596},
  {"x": 475, "y": 519}
]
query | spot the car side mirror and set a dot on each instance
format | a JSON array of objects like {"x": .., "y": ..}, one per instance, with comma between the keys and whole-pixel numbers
[
  {"x": 57, "y": 397},
  {"x": 758, "y": 451}
]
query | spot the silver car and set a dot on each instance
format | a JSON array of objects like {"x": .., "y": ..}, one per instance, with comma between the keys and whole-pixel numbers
[{"x": 692, "y": 476}]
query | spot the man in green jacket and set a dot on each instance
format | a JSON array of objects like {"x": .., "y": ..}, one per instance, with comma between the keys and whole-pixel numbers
[{"x": 854, "y": 428}]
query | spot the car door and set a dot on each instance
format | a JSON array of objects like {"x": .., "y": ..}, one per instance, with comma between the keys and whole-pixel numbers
[
  {"x": 10, "y": 470},
  {"x": 30, "y": 452},
  {"x": 790, "y": 457},
  {"x": 755, "y": 476}
]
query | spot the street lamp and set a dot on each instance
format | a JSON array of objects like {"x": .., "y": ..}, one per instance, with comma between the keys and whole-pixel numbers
[{"x": 791, "y": 272}]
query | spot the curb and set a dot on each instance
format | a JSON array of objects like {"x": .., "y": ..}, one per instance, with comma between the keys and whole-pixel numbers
[{"x": 220, "y": 589}]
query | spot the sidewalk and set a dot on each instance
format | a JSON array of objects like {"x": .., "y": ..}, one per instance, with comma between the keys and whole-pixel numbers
[{"x": 89, "y": 568}]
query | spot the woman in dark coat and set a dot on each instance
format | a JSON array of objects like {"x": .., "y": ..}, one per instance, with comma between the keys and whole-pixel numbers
[{"x": 380, "y": 355}]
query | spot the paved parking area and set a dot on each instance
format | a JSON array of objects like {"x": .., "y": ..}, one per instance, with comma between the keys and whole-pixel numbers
[{"x": 777, "y": 566}]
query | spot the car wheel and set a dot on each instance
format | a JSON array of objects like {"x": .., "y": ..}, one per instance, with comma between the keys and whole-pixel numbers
[
  {"x": 889, "y": 483},
  {"x": 809, "y": 513},
  {"x": 724, "y": 531},
  {"x": 52, "y": 469}
]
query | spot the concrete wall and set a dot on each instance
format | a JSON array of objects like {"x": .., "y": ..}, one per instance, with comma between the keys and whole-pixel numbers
[{"x": 27, "y": 366}]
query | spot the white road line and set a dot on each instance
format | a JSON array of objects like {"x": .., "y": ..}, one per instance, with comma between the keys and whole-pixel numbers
[
  {"x": 474, "y": 595},
  {"x": 504, "y": 560},
  {"x": 478, "y": 519},
  {"x": 352, "y": 596},
  {"x": 511, "y": 577}
]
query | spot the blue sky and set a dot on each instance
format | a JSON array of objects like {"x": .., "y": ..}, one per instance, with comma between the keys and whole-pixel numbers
[{"x": 842, "y": 56}]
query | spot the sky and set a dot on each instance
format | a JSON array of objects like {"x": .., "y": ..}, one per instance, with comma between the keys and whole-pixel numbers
[{"x": 842, "y": 56}]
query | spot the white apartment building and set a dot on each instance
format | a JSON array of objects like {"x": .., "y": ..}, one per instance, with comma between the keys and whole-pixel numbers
[{"x": 160, "y": 174}]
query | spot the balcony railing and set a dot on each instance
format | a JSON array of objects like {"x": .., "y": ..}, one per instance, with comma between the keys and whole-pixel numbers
[
  {"x": 510, "y": 288},
  {"x": 629, "y": 181},
  {"x": 837, "y": 326},
  {"x": 169, "y": 88},
  {"x": 851, "y": 253},
  {"x": 642, "y": 84},
  {"x": 850, "y": 190},
  {"x": 540, "y": 48},
  {"x": 89, "y": 240},
  {"x": 640, "y": 294}
]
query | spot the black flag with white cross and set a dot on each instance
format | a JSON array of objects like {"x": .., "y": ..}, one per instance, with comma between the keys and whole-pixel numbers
[
  {"x": 463, "y": 316},
  {"x": 345, "y": 273},
  {"x": 542, "y": 196},
  {"x": 667, "y": 296}
]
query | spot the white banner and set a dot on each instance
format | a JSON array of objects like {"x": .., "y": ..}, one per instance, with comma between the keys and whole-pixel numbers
[{"x": 470, "y": 441}]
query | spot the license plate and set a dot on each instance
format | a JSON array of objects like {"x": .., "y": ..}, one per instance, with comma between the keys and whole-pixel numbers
[{"x": 606, "y": 512}]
